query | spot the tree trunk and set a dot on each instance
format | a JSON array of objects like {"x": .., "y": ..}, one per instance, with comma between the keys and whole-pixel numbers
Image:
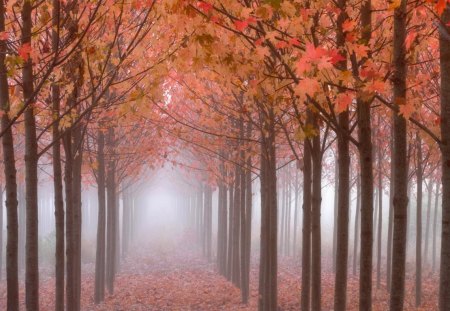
[
  {"x": 400, "y": 161},
  {"x": 111, "y": 213},
  {"x": 31, "y": 174},
  {"x": 340, "y": 288},
  {"x": 70, "y": 247},
  {"x": 282, "y": 218},
  {"x": 101, "y": 223},
  {"x": 267, "y": 299},
  {"x": 76, "y": 183},
  {"x": 208, "y": 221},
  {"x": 57, "y": 175},
  {"x": 236, "y": 270},
  {"x": 444, "y": 286},
  {"x": 380, "y": 213},
  {"x": 435, "y": 217},
  {"x": 230, "y": 233},
  {"x": 1, "y": 231},
  {"x": 366, "y": 164},
  {"x": 427, "y": 228},
  {"x": 357, "y": 223},
  {"x": 12, "y": 221},
  {"x": 391, "y": 215},
  {"x": 248, "y": 230},
  {"x": 336, "y": 191},
  {"x": 222, "y": 223},
  {"x": 296, "y": 215},
  {"x": 419, "y": 176},
  {"x": 316, "y": 237},
  {"x": 306, "y": 237}
]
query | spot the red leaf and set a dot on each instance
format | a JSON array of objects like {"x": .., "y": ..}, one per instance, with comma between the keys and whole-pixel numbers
[
  {"x": 204, "y": 6},
  {"x": 440, "y": 6},
  {"x": 24, "y": 51},
  {"x": 241, "y": 25}
]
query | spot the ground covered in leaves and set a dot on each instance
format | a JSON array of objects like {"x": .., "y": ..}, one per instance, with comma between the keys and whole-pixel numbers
[{"x": 178, "y": 278}]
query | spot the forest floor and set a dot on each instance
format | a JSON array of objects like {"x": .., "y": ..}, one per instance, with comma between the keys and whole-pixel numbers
[{"x": 177, "y": 278}]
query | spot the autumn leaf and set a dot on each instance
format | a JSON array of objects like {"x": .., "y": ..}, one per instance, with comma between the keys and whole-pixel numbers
[
  {"x": 25, "y": 51},
  {"x": 440, "y": 6},
  {"x": 204, "y": 6},
  {"x": 343, "y": 101},
  {"x": 348, "y": 25},
  {"x": 4, "y": 35},
  {"x": 393, "y": 4},
  {"x": 241, "y": 25}
]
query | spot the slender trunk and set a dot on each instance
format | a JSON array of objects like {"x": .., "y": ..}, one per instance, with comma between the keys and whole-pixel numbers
[
  {"x": 419, "y": 177},
  {"x": 208, "y": 221},
  {"x": 76, "y": 183},
  {"x": 357, "y": 224},
  {"x": 230, "y": 233},
  {"x": 101, "y": 223},
  {"x": 12, "y": 221},
  {"x": 267, "y": 299},
  {"x": 306, "y": 237},
  {"x": 111, "y": 214},
  {"x": 236, "y": 270},
  {"x": 1, "y": 231},
  {"x": 70, "y": 247},
  {"x": 380, "y": 213},
  {"x": 222, "y": 224},
  {"x": 296, "y": 215},
  {"x": 57, "y": 176},
  {"x": 427, "y": 228},
  {"x": 22, "y": 226},
  {"x": 336, "y": 191},
  {"x": 366, "y": 164},
  {"x": 31, "y": 175},
  {"x": 340, "y": 288},
  {"x": 288, "y": 221},
  {"x": 444, "y": 286},
  {"x": 391, "y": 216},
  {"x": 435, "y": 217},
  {"x": 243, "y": 220},
  {"x": 316, "y": 237},
  {"x": 126, "y": 220},
  {"x": 248, "y": 228},
  {"x": 400, "y": 161}
]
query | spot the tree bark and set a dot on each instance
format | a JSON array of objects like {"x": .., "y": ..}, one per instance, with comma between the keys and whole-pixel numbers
[
  {"x": 306, "y": 237},
  {"x": 76, "y": 183},
  {"x": 267, "y": 299},
  {"x": 357, "y": 223},
  {"x": 12, "y": 221},
  {"x": 391, "y": 215},
  {"x": 208, "y": 221},
  {"x": 31, "y": 167},
  {"x": 230, "y": 233},
  {"x": 400, "y": 161},
  {"x": 419, "y": 176},
  {"x": 70, "y": 247},
  {"x": 366, "y": 165},
  {"x": 316, "y": 236},
  {"x": 427, "y": 228},
  {"x": 340, "y": 288},
  {"x": 380, "y": 212},
  {"x": 111, "y": 213},
  {"x": 444, "y": 285},
  {"x": 101, "y": 223},
  {"x": 57, "y": 174},
  {"x": 336, "y": 191},
  {"x": 435, "y": 217}
]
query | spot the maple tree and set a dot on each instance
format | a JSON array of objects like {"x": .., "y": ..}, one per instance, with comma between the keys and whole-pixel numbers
[{"x": 279, "y": 98}]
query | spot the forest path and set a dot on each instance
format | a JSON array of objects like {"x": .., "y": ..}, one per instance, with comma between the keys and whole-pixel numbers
[{"x": 174, "y": 276}]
